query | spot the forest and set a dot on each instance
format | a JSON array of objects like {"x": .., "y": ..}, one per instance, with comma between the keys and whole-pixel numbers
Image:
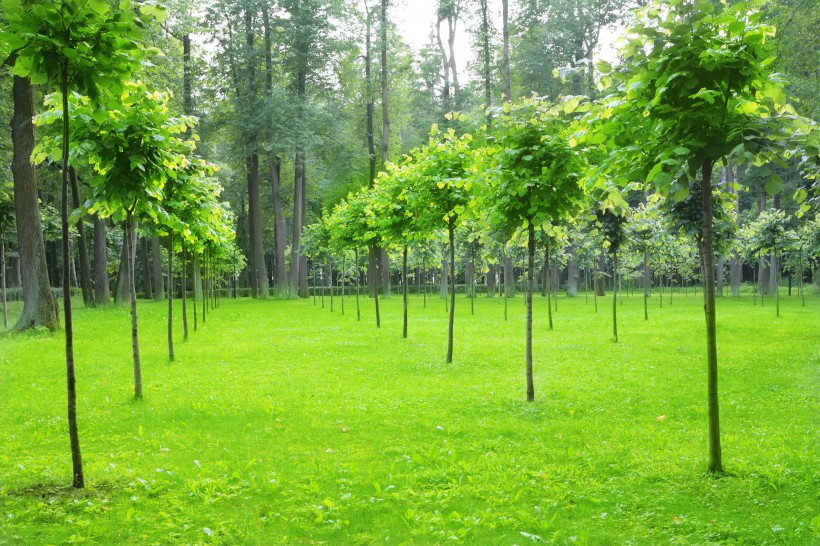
[{"x": 364, "y": 271}]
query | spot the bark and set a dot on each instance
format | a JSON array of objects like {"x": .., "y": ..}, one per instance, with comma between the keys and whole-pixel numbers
[
  {"x": 452, "y": 21},
  {"x": 296, "y": 248},
  {"x": 573, "y": 272},
  {"x": 123, "y": 295},
  {"x": 444, "y": 277},
  {"x": 102, "y": 295},
  {"x": 445, "y": 92},
  {"x": 259, "y": 274},
  {"x": 615, "y": 299},
  {"x": 3, "y": 275},
  {"x": 383, "y": 24},
  {"x": 707, "y": 254},
  {"x": 39, "y": 306},
  {"x": 129, "y": 240},
  {"x": 528, "y": 296},
  {"x": 373, "y": 276},
  {"x": 404, "y": 288},
  {"x": 184, "y": 294},
  {"x": 721, "y": 266},
  {"x": 547, "y": 288},
  {"x": 505, "y": 31},
  {"x": 358, "y": 284},
  {"x": 600, "y": 277},
  {"x": 82, "y": 243},
  {"x": 509, "y": 278},
  {"x": 147, "y": 289},
  {"x": 491, "y": 273},
  {"x": 452, "y": 230},
  {"x": 485, "y": 53},
  {"x": 78, "y": 480},
  {"x": 171, "y": 296},
  {"x": 158, "y": 283}
]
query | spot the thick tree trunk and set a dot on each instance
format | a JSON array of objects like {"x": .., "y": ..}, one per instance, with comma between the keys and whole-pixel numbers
[
  {"x": 491, "y": 273},
  {"x": 735, "y": 273},
  {"x": 147, "y": 288},
  {"x": 600, "y": 277},
  {"x": 127, "y": 255},
  {"x": 509, "y": 278},
  {"x": 259, "y": 274},
  {"x": 280, "y": 235},
  {"x": 102, "y": 294},
  {"x": 384, "y": 269},
  {"x": 452, "y": 239},
  {"x": 82, "y": 243},
  {"x": 573, "y": 272},
  {"x": 707, "y": 253},
  {"x": 296, "y": 245},
  {"x": 39, "y": 307},
  {"x": 528, "y": 296},
  {"x": 158, "y": 283},
  {"x": 505, "y": 31}
]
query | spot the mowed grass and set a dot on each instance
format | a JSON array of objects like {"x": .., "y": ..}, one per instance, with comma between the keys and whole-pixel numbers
[{"x": 281, "y": 422}]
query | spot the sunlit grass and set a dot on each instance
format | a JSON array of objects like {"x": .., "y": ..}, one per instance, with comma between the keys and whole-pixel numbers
[{"x": 281, "y": 422}]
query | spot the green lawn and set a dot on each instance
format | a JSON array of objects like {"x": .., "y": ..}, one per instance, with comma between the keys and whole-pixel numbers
[{"x": 284, "y": 423}]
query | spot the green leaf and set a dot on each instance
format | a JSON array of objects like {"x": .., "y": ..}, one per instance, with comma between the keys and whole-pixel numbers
[
  {"x": 99, "y": 6},
  {"x": 774, "y": 185}
]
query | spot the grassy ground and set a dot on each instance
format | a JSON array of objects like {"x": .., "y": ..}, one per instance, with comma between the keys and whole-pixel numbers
[{"x": 284, "y": 423}]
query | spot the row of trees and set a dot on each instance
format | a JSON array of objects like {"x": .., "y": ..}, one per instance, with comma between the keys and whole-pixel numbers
[{"x": 700, "y": 97}]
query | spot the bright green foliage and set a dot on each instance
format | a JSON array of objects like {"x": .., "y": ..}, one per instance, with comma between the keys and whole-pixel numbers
[
  {"x": 700, "y": 91},
  {"x": 441, "y": 188},
  {"x": 84, "y": 40},
  {"x": 532, "y": 175},
  {"x": 351, "y": 224},
  {"x": 768, "y": 232}
]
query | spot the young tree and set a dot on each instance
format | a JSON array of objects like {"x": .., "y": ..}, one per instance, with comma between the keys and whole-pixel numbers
[
  {"x": 83, "y": 46},
  {"x": 701, "y": 91},
  {"x": 533, "y": 177}
]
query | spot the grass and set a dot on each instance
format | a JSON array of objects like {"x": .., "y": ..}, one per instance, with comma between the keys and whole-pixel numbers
[{"x": 284, "y": 423}]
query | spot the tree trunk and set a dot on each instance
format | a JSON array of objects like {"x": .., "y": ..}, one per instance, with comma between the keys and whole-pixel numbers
[
  {"x": 404, "y": 288},
  {"x": 184, "y": 293},
  {"x": 296, "y": 245},
  {"x": 130, "y": 230},
  {"x": 3, "y": 275},
  {"x": 647, "y": 282},
  {"x": 573, "y": 272},
  {"x": 600, "y": 277},
  {"x": 528, "y": 295},
  {"x": 358, "y": 284},
  {"x": 444, "y": 278},
  {"x": 548, "y": 289},
  {"x": 259, "y": 274},
  {"x": 707, "y": 252},
  {"x": 721, "y": 265},
  {"x": 171, "y": 296},
  {"x": 82, "y": 243},
  {"x": 451, "y": 232},
  {"x": 102, "y": 295},
  {"x": 509, "y": 278},
  {"x": 505, "y": 31},
  {"x": 158, "y": 283},
  {"x": 491, "y": 273},
  {"x": 147, "y": 289},
  {"x": 486, "y": 53},
  {"x": 280, "y": 235},
  {"x": 127, "y": 255},
  {"x": 615, "y": 298},
  {"x": 74, "y": 438},
  {"x": 39, "y": 307}
]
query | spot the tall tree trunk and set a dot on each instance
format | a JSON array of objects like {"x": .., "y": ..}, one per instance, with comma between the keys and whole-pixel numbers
[
  {"x": 491, "y": 273},
  {"x": 130, "y": 241},
  {"x": 445, "y": 91},
  {"x": 509, "y": 278},
  {"x": 158, "y": 283},
  {"x": 452, "y": 22},
  {"x": 296, "y": 245},
  {"x": 573, "y": 272},
  {"x": 358, "y": 285},
  {"x": 74, "y": 437},
  {"x": 600, "y": 277},
  {"x": 127, "y": 256},
  {"x": 707, "y": 253},
  {"x": 528, "y": 296},
  {"x": 443, "y": 292},
  {"x": 383, "y": 24},
  {"x": 647, "y": 282},
  {"x": 547, "y": 288},
  {"x": 3, "y": 275},
  {"x": 147, "y": 288},
  {"x": 259, "y": 274},
  {"x": 39, "y": 307},
  {"x": 102, "y": 295},
  {"x": 452, "y": 238},
  {"x": 505, "y": 31},
  {"x": 280, "y": 232},
  {"x": 82, "y": 243},
  {"x": 486, "y": 53},
  {"x": 721, "y": 266}
]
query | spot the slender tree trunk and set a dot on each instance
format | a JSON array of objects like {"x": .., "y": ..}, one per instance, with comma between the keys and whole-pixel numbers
[
  {"x": 78, "y": 480},
  {"x": 184, "y": 293},
  {"x": 378, "y": 314},
  {"x": 721, "y": 263},
  {"x": 451, "y": 232},
  {"x": 647, "y": 282},
  {"x": 280, "y": 235},
  {"x": 600, "y": 279},
  {"x": 776, "y": 287},
  {"x": 404, "y": 288},
  {"x": 197, "y": 285},
  {"x": 3, "y": 274},
  {"x": 296, "y": 245},
  {"x": 82, "y": 243},
  {"x": 344, "y": 272},
  {"x": 615, "y": 299},
  {"x": 444, "y": 278},
  {"x": 130, "y": 229},
  {"x": 509, "y": 278},
  {"x": 102, "y": 296},
  {"x": 170, "y": 295},
  {"x": 486, "y": 53},
  {"x": 358, "y": 283},
  {"x": 715, "y": 456},
  {"x": 548, "y": 288},
  {"x": 530, "y": 280},
  {"x": 39, "y": 307},
  {"x": 330, "y": 279}
]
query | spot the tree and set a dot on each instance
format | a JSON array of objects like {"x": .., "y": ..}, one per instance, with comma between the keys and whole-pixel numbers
[
  {"x": 82, "y": 46},
  {"x": 700, "y": 92},
  {"x": 6, "y": 221},
  {"x": 533, "y": 178},
  {"x": 769, "y": 236}
]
